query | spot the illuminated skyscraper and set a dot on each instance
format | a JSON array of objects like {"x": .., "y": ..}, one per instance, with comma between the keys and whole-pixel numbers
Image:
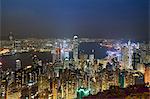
[
  {"x": 18, "y": 64},
  {"x": 75, "y": 48},
  {"x": 65, "y": 50},
  {"x": 1, "y": 71},
  {"x": 127, "y": 51},
  {"x": 146, "y": 74},
  {"x": 130, "y": 52},
  {"x": 58, "y": 49},
  {"x": 17, "y": 46},
  {"x": 11, "y": 39}
]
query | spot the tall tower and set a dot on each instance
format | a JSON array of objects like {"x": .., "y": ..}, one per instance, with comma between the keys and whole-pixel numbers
[
  {"x": 128, "y": 50},
  {"x": 58, "y": 50},
  {"x": 17, "y": 46},
  {"x": 75, "y": 48},
  {"x": 11, "y": 39},
  {"x": 18, "y": 64},
  {"x": 1, "y": 71},
  {"x": 130, "y": 53}
]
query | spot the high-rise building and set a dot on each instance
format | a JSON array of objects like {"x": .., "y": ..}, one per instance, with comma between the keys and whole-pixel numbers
[
  {"x": 140, "y": 68},
  {"x": 1, "y": 71},
  {"x": 58, "y": 49},
  {"x": 65, "y": 49},
  {"x": 130, "y": 52},
  {"x": 91, "y": 58},
  {"x": 75, "y": 48},
  {"x": 144, "y": 53},
  {"x": 53, "y": 57},
  {"x": 146, "y": 74},
  {"x": 11, "y": 39},
  {"x": 17, "y": 46},
  {"x": 35, "y": 61},
  {"x": 122, "y": 79},
  {"x": 58, "y": 54},
  {"x": 18, "y": 64},
  {"x": 127, "y": 54},
  {"x": 135, "y": 59}
]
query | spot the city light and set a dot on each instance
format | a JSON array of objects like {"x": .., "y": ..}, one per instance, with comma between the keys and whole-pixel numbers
[
  {"x": 79, "y": 49},
  {"x": 64, "y": 73},
  {"x": 28, "y": 66},
  {"x": 1, "y": 63}
]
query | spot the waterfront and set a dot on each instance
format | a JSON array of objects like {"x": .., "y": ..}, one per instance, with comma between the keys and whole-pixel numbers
[
  {"x": 9, "y": 61},
  {"x": 75, "y": 71},
  {"x": 74, "y": 49}
]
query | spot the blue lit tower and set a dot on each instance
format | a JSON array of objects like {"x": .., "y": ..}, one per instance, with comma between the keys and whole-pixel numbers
[{"x": 75, "y": 48}]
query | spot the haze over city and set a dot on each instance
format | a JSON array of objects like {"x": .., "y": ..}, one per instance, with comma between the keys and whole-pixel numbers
[
  {"x": 74, "y": 49},
  {"x": 127, "y": 19}
]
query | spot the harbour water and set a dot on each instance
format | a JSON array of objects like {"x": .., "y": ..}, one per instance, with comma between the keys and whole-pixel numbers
[{"x": 26, "y": 58}]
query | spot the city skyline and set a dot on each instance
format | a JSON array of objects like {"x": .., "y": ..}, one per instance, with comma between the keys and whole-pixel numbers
[
  {"x": 74, "y": 69},
  {"x": 74, "y": 49},
  {"x": 126, "y": 19}
]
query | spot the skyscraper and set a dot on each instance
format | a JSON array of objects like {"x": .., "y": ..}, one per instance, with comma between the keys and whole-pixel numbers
[
  {"x": 127, "y": 51},
  {"x": 130, "y": 52},
  {"x": 75, "y": 48},
  {"x": 11, "y": 39},
  {"x": 18, "y": 64}
]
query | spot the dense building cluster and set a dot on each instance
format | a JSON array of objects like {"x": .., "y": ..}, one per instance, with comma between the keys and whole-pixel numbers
[{"x": 72, "y": 73}]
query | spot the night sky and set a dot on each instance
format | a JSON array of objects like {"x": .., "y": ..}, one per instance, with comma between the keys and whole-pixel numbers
[{"x": 64, "y": 18}]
